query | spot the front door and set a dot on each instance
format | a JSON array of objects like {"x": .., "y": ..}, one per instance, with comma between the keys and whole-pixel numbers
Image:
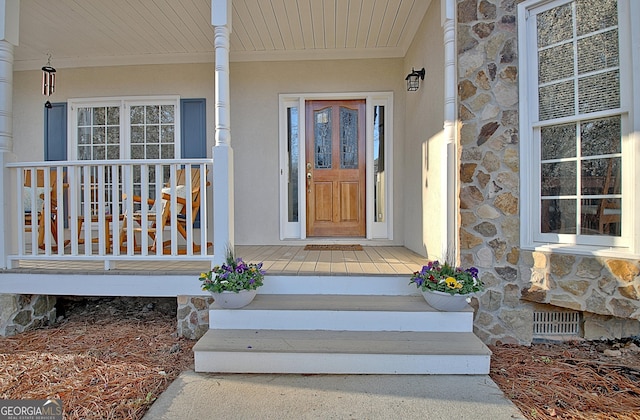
[{"x": 335, "y": 168}]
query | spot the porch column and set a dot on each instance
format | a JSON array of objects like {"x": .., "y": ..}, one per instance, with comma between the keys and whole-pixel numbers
[
  {"x": 223, "y": 211},
  {"x": 9, "y": 18},
  {"x": 450, "y": 175}
]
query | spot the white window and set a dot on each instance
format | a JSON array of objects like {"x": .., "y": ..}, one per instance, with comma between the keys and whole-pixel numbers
[
  {"x": 125, "y": 128},
  {"x": 576, "y": 103}
]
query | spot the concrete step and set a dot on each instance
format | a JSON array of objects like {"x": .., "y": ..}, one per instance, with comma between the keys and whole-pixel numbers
[
  {"x": 365, "y": 284},
  {"x": 341, "y": 352},
  {"x": 341, "y": 312}
]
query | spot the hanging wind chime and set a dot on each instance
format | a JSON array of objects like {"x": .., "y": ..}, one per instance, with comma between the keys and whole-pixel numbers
[{"x": 48, "y": 81}]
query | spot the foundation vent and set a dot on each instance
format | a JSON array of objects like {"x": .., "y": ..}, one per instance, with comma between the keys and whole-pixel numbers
[{"x": 556, "y": 323}]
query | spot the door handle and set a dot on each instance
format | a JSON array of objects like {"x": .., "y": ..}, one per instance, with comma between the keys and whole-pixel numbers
[{"x": 308, "y": 175}]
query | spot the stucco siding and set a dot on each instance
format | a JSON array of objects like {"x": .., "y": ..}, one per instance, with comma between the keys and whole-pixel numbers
[
  {"x": 424, "y": 141},
  {"x": 254, "y": 129},
  {"x": 254, "y": 117}
]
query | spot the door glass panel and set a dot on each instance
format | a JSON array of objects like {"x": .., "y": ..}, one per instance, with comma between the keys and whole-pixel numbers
[
  {"x": 323, "y": 135},
  {"x": 378, "y": 164},
  {"x": 293, "y": 151},
  {"x": 98, "y": 139},
  {"x": 348, "y": 138},
  {"x": 152, "y": 131}
]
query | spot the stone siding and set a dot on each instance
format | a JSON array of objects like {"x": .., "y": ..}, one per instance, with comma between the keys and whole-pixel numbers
[
  {"x": 20, "y": 313},
  {"x": 609, "y": 287},
  {"x": 489, "y": 170},
  {"x": 193, "y": 316},
  {"x": 606, "y": 290}
]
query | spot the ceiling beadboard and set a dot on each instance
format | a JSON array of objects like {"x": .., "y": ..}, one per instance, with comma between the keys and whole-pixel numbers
[{"x": 114, "y": 32}]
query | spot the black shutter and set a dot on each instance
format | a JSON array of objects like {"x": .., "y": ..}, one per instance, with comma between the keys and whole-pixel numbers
[
  {"x": 193, "y": 133},
  {"x": 55, "y": 132}
]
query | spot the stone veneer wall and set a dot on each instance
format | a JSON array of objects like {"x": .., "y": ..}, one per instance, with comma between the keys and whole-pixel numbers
[
  {"x": 607, "y": 289},
  {"x": 20, "y": 313},
  {"x": 598, "y": 285},
  {"x": 193, "y": 316}
]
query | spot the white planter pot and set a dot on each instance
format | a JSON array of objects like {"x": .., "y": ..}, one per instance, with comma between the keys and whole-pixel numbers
[
  {"x": 445, "y": 302},
  {"x": 233, "y": 300}
]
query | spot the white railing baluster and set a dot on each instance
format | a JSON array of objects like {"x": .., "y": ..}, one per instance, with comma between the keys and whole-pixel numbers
[
  {"x": 102, "y": 211},
  {"x": 60, "y": 209},
  {"x": 188, "y": 200},
  {"x": 73, "y": 174},
  {"x": 128, "y": 182},
  {"x": 85, "y": 190},
  {"x": 116, "y": 198},
  {"x": 204, "y": 213},
  {"x": 173, "y": 211},
  {"x": 159, "y": 207}
]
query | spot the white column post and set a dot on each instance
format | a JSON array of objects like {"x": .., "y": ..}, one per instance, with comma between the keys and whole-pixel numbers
[
  {"x": 450, "y": 174},
  {"x": 223, "y": 210},
  {"x": 9, "y": 18}
]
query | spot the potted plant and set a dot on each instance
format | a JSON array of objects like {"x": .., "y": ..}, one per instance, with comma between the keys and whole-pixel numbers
[
  {"x": 233, "y": 284},
  {"x": 446, "y": 287}
]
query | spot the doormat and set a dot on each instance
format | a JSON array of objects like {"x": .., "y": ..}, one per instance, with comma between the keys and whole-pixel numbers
[{"x": 333, "y": 248}]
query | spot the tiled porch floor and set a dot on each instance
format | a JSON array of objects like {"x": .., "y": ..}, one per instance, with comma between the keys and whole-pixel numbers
[{"x": 277, "y": 260}]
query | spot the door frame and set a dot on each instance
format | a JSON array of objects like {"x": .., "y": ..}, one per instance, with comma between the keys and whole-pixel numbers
[
  {"x": 374, "y": 229},
  {"x": 341, "y": 180}
]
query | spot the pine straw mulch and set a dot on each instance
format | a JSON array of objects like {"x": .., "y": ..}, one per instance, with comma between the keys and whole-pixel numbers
[
  {"x": 103, "y": 362},
  {"x": 574, "y": 380},
  {"x": 110, "y": 359}
]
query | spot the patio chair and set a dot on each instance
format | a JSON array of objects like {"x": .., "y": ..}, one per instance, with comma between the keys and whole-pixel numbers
[
  {"x": 609, "y": 211},
  {"x": 94, "y": 217},
  {"x": 181, "y": 219},
  {"x": 153, "y": 224},
  {"x": 40, "y": 192}
]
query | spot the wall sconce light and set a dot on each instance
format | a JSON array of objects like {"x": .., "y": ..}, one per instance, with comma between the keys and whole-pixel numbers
[
  {"x": 413, "y": 79},
  {"x": 48, "y": 81}
]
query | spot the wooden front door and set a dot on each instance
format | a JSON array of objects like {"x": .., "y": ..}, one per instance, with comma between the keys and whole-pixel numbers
[{"x": 335, "y": 168}]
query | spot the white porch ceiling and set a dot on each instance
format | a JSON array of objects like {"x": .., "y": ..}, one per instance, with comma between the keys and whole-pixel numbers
[{"x": 82, "y": 33}]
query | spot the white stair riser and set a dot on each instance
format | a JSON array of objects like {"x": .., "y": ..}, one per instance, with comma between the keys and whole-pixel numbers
[
  {"x": 337, "y": 285},
  {"x": 323, "y": 363},
  {"x": 341, "y": 320}
]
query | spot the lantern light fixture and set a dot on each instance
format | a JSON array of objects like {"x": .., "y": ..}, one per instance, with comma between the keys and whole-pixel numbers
[
  {"x": 48, "y": 80},
  {"x": 413, "y": 79}
]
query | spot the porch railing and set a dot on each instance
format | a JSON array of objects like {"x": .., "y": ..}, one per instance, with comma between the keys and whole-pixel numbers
[{"x": 112, "y": 210}]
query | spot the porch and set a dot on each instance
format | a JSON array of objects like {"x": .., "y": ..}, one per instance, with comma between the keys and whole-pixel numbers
[{"x": 293, "y": 265}]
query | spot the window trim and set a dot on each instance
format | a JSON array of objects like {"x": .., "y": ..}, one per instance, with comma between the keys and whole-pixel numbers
[
  {"x": 530, "y": 235},
  {"x": 124, "y": 103}
]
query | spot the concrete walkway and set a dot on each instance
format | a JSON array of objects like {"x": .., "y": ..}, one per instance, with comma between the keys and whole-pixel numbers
[{"x": 243, "y": 396}]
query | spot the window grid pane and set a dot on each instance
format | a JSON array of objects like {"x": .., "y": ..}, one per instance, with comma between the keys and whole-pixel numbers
[
  {"x": 151, "y": 126},
  {"x": 95, "y": 127}
]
